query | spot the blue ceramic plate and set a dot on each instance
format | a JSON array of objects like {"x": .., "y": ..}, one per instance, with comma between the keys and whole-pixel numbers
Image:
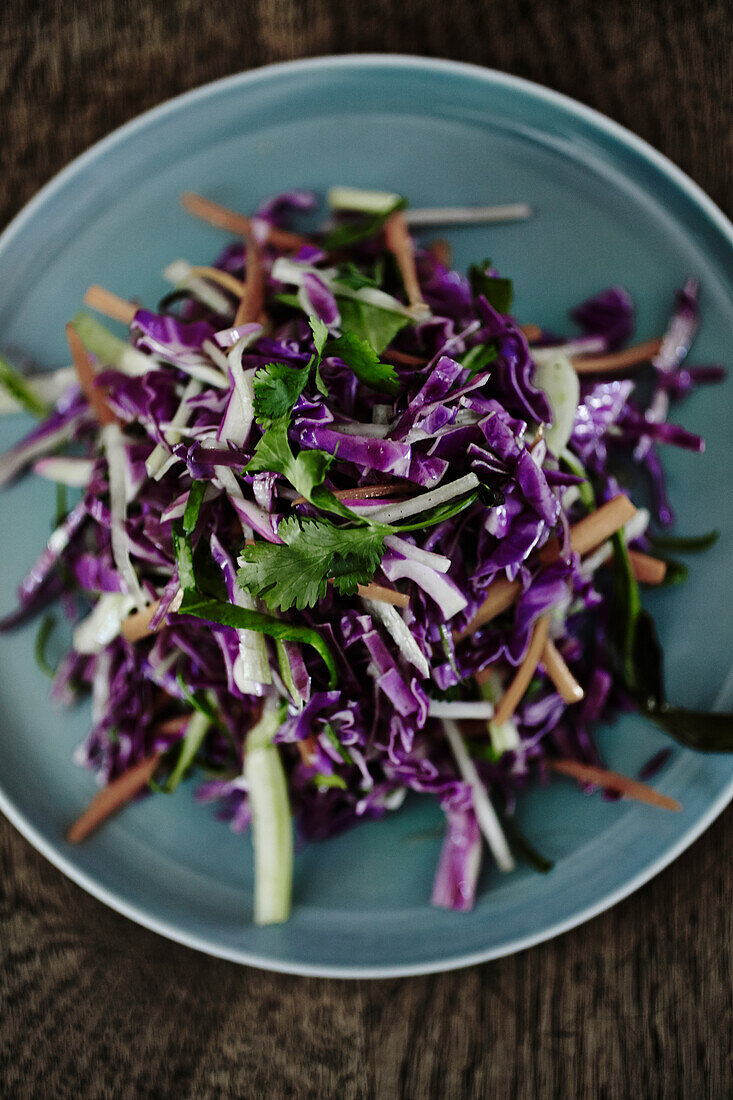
[{"x": 608, "y": 209}]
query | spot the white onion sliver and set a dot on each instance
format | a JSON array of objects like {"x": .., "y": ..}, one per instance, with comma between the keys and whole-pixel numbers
[
  {"x": 461, "y": 710},
  {"x": 401, "y": 634},
  {"x": 401, "y": 546},
  {"x": 423, "y": 501},
  {"x": 114, "y": 445},
  {"x": 485, "y": 812}
]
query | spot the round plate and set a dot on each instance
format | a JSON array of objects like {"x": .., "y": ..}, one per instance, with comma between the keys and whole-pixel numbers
[{"x": 608, "y": 209}]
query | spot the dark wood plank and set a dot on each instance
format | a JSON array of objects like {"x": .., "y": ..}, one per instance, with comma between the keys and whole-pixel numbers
[{"x": 638, "y": 1001}]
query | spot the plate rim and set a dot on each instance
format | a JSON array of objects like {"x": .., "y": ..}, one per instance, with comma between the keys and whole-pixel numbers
[{"x": 615, "y": 131}]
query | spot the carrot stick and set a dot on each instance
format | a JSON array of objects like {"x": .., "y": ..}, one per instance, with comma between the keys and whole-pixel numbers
[
  {"x": 384, "y": 595},
  {"x": 646, "y": 569},
  {"x": 111, "y": 305},
  {"x": 239, "y": 224},
  {"x": 399, "y": 242},
  {"x": 513, "y": 694},
  {"x": 87, "y": 378},
  {"x": 252, "y": 301},
  {"x": 223, "y": 278},
  {"x": 137, "y": 625},
  {"x": 614, "y": 781},
  {"x": 307, "y": 750},
  {"x": 561, "y": 676},
  {"x": 531, "y": 332},
  {"x": 442, "y": 251},
  {"x": 106, "y": 802},
  {"x": 402, "y": 359},
  {"x": 500, "y": 596},
  {"x": 593, "y": 529},
  {"x": 617, "y": 360},
  {"x": 365, "y": 492}
]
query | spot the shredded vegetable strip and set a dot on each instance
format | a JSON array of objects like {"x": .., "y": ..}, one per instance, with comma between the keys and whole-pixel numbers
[
  {"x": 501, "y": 595},
  {"x": 384, "y": 595},
  {"x": 513, "y": 694},
  {"x": 614, "y": 781},
  {"x": 307, "y": 750},
  {"x": 253, "y": 289},
  {"x": 402, "y": 359},
  {"x": 235, "y": 223},
  {"x": 561, "y": 676},
  {"x": 647, "y": 570},
  {"x": 469, "y": 215},
  {"x": 112, "y": 798},
  {"x": 485, "y": 812},
  {"x": 531, "y": 332},
  {"x": 594, "y": 528},
  {"x": 87, "y": 378},
  {"x": 365, "y": 492},
  {"x": 399, "y": 242},
  {"x": 223, "y": 278},
  {"x": 111, "y": 305},
  {"x": 617, "y": 360}
]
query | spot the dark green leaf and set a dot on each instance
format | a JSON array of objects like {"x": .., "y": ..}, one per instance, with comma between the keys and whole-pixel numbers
[
  {"x": 62, "y": 504},
  {"x": 184, "y": 555},
  {"x": 700, "y": 730},
  {"x": 296, "y": 572},
  {"x": 522, "y": 847},
  {"x": 274, "y": 455},
  {"x": 288, "y": 300},
  {"x": 13, "y": 382},
  {"x": 479, "y": 357},
  {"x": 359, "y": 229},
  {"x": 228, "y": 614},
  {"x": 677, "y": 573},
  {"x": 193, "y": 507},
  {"x": 626, "y": 608},
  {"x": 277, "y": 387},
  {"x": 499, "y": 292},
  {"x": 361, "y": 357},
  {"x": 371, "y": 323},
  {"x": 647, "y": 680},
  {"x": 44, "y": 633},
  {"x": 683, "y": 545},
  {"x": 349, "y": 275},
  {"x": 340, "y": 749}
]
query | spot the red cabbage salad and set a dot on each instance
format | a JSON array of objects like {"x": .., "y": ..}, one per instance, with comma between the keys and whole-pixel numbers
[{"x": 335, "y": 527}]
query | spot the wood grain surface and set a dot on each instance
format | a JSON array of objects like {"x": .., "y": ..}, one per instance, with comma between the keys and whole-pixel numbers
[{"x": 637, "y": 1003}]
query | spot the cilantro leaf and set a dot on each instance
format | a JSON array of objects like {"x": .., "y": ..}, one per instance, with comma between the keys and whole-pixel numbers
[
  {"x": 320, "y": 333},
  {"x": 273, "y": 454},
  {"x": 13, "y": 382},
  {"x": 478, "y": 357},
  {"x": 193, "y": 506},
  {"x": 499, "y": 293},
  {"x": 296, "y": 572},
  {"x": 371, "y": 323},
  {"x": 364, "y": 361},
  {"x": 277, "y": 388},
  {"x": 349, "y": 275}
]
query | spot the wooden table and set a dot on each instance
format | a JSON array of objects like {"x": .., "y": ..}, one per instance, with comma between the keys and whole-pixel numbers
[{"x": 636, "y": 1003}]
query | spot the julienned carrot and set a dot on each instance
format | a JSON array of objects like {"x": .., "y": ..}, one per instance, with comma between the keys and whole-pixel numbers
[
  {"x": 87, "y": 378},
  {"x": 236, "y": 223},
  {"x": 500, "y": 597},
  {"x": 561, "y": 676},
  {"x": 614, "y": 781},
  {"x": 223, "y": 278},
  {"x": 384, "y": 595},
  {"x": 137, "y": 625},
  {"x": 307, "y": 750},
  {"x": 646, "y": 569},
  {"x": 111, "y": 305},
  {"x": 513, "y": 694},
  {"x": 112, "y": 798},
  {"x": 531, "y": 332},
  {"x": 402, "y": 358},
  {"x": 252, "y": 300},
  {"x": 399, "y": 242},
  {"x": 617, "y": 360},
  {"x": 593, "y": 529},
  {"x": 442, "y": 251},
  {"x": 365, "y": 492}
]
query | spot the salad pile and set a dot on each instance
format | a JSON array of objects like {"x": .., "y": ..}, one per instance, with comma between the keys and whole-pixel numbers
[{"x": 345, "y": 529}]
